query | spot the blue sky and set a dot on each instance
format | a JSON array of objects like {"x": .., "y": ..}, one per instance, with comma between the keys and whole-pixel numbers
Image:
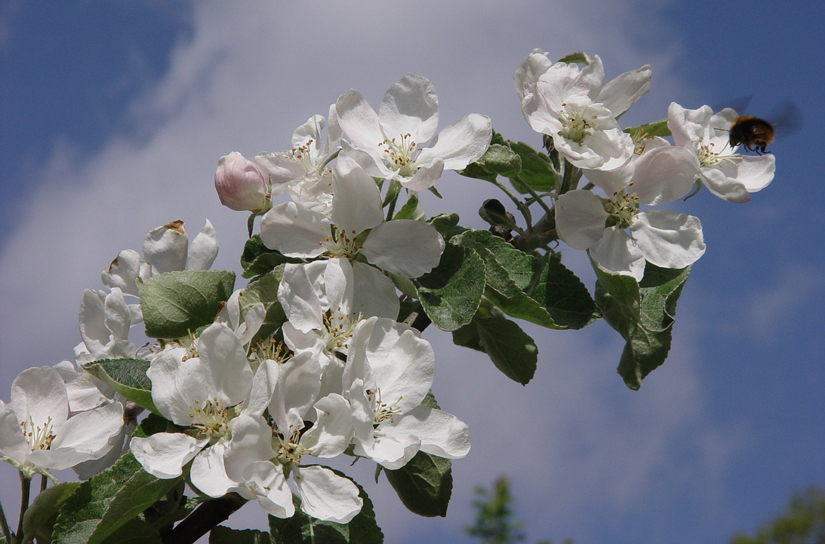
[{"x": 114, "y": 116}]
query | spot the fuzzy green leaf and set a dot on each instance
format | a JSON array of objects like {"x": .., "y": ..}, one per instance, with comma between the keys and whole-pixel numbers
[
  {"x": 40, "y": 517},
  {"x": 424, "y": 484},
  {"x": 264, "y": 289},
  {"x": 510, "y": 348},
  {"x": 127, "y": 377},
  {"x": 225, "y": 535},
  {"x": 643, "y": 313},
  {"x": 450, "y": 293},
  {"x": 175, "y": 303},
  {"x": 563, "y": 295},
  {"x": 258, "y": 259}
]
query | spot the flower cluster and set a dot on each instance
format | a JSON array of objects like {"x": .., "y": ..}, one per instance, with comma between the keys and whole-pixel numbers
[
  {"x": 251, "y": 390},
  {"x": 578, "y": 112}
]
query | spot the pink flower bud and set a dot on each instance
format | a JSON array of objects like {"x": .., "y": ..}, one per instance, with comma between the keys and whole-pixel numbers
[{"x": 241, "y": 184}]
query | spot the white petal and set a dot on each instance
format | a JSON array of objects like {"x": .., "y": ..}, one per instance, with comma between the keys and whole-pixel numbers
[
  {"x": 90, "y": 432},
  {"x": 625, "y": 89},
  {"x": 226, "y": 363},
  {"x": 530, "y": 69},
  {"x": 440, "y": 433},
  {"x": 424, "y": 177},
  {"x": 410, "y": 106},
  {"x": 299, "y": 299},
  {"x": 356, "y": 203},
  {"x": 12, "y": 443},
  {"x": 263, "y": 387},
  {"x": 203, "y": 249},
  {"x": 251, "y": 442},
  {"x": 617, "y": 253},
  {"x": 92, "y": 323},
  {"x": 668, "y": 239},
  {"x": 296, "y": 391},
  {"x": 724, "y": 186},
  {"x": 294, "y": 230},
  {"x": 332, "y": 430},
  {"x": 406, "y": 247},
  {"x": 664, "y": 174},
  {"x": 264, "y": 482},
  {"x": 756, "y": 173},
  {"x": 374, "y": 293},
  {"x": 118, "y": 317},
  {"x": 279, "y": 170},
  {"x": 165, "y": 247},
  {"x": 461, "y": 143},
  {"x": 164, "y": 454},
  {"x": 358, "y": 121},
  {"x": 391, "y": 451},
  {"x": 327, "y": 496},
  {"x": 171, "y": 380},
  {"x": 39, "y": 395},
  {"x": 122, "y": 272},
  {"x": 208, "y": 473},
  {"x": 580, "y": 219}
]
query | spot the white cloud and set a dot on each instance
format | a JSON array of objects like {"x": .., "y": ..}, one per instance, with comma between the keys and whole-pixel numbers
[{"x": 575, "y": 442}]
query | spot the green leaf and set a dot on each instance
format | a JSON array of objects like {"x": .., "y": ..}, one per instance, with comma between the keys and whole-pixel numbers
[
  {"x": 304, "y": 529},
  {"x": 656, "y": 128},
  {"x": 563, "y": 295},
  {"x": 411, "y": 209},
  {"x": 127, "y": 377},
  {"x": 511, "y": 349},
  {"x": 494, "y": 212},
  {"x": 175, "y": 303},
  {"x": 450, "y": 293},
  {"x": 40, "y": 517},
  {"x": 134, "y": 531},
  {"x": 107, "y": 502},
  {"x": 225, "y": 535},
  {"x": 258, "y": 259},
  {"x": 424, "y": 484},
  {"x": 264, "y": 289},
  {"x": 643, "y": 313},
  {"x": 536, "y": 169},
  {"x": 508, "y": 272},
  {"x": 499, "y": 159},
  {"x": 576, "y": 58},
  {"x": 446, "y": 224}
]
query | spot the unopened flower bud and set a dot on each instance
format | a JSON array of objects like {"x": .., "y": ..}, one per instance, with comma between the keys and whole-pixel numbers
[{"x": 241, "y": 184}]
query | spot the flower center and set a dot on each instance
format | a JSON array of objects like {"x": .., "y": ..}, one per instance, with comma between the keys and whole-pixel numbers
[
  {"x": 709, "y": 157},
  {"x": 574, "y": 125},
  {"x": 400, "y": 156},
  {"x": 341, "y": 244},
  {"x": 623, "y": 209},
  {"x": 288, "y": 446},
  {"x": 38, "y": 438},
  {"x": 210, "y": 419},
  {"x": 381, "y": 409},
  {"x": 303, "y": 155},
  {"x": 339, "y": 327}
]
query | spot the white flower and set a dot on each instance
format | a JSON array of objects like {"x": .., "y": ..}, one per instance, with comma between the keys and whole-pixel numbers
[
  {"x": 303, "y": 170},
  {"x": 406, "y": 247},
  {"x": 667, "y": 239},
  {"x": 726, "y": 173},
  {"x": 323, "y": 302},
  {"x": 388, "y": 373},
  {"x": 38, "y": 432},
  {"x": 406, "y": 119},
  {"x": 263, "y": 457},
  {"x": 572, "y": 106},
  {"x": 203, "y": 393}
]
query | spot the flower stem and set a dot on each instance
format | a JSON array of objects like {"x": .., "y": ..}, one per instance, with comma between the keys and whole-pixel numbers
[
  {"x": 4, "y": 525},
  {"x": 25, "y": 490}
]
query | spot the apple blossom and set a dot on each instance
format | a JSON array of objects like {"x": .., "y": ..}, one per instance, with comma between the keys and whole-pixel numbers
[
  {"x": 241, "y": 184},
  {"x": 727, "y": 174},
  {"x": 406, "y": 247},
  {"x": 38, "y": 432},
  {"x": 388, "y": 374},
  {"x": 564, "y": 103},
  {"x": 661, "y": 174},
  {"x": 408, "y": 117}
]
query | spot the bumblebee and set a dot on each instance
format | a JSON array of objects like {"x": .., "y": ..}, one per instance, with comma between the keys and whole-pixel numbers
[{"x": 753, "y": 133}]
